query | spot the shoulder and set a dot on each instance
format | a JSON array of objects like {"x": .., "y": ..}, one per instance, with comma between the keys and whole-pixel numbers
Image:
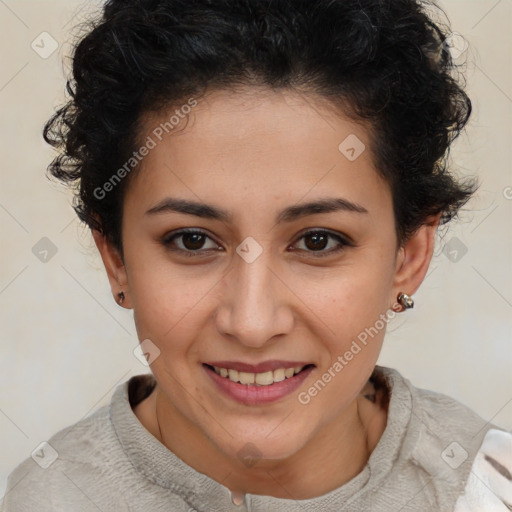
[
  {"x": 442, "y": 439},
  {"x": 489, "y": 486},
  {"x": 59, "y": 473},
  {"x": 441, "y": 415}
]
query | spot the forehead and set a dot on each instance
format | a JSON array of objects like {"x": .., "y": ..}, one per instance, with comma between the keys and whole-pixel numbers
[{"x": 257, "y": 145}]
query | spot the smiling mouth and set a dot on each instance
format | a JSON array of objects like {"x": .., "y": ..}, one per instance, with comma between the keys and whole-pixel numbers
[{"x": 258, "y": 379}]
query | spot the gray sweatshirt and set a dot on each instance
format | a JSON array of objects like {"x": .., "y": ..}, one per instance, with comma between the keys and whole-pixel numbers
[{"x": 109, "y": 462}]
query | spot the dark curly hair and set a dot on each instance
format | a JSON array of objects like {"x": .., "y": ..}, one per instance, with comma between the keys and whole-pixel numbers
[{"x": 384, "y": 62}]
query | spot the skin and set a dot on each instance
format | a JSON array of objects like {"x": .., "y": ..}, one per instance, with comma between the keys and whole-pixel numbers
[{"x": 254, "y": 153}]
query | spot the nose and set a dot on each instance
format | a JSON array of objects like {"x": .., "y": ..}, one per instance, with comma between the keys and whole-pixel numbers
[{"x": 254, "y": 307}]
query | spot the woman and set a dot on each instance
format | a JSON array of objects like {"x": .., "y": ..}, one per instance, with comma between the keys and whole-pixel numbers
[{"x": 264, "y": 180}]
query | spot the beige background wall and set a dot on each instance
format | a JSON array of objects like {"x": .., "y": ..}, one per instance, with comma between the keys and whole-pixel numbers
[{"x": 65, "y": 344}]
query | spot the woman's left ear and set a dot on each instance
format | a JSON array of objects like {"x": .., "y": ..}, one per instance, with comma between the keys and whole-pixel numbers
[
  {"x": 115, "y": 268},
  {"x": 413, "y": 258}
]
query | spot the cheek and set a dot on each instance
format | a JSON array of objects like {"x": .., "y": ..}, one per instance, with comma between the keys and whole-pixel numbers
[
  {"x": 355, "y": 309},
  {"x": 355, "y": 333},
  {"x": 168, "y": 302},
  {"x": 355, "y": 296},
  {"x": 164, "y": 308}
]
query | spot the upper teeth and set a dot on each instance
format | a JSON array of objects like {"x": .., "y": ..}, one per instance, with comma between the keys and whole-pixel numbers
[{"x": 259, "y": 379}]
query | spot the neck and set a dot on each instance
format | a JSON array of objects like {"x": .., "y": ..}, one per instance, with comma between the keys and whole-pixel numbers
[{"x": 334, "y": 456}]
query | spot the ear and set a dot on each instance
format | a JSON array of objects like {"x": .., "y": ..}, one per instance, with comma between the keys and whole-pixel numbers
[
  {"x": 413, "y": 258},
  {"x": 114, "y": 266}
]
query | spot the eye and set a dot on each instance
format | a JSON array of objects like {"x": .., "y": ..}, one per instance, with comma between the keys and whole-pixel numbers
[
  {"x": 190, "y": 241},
  {"x": 315, "y": 241}
]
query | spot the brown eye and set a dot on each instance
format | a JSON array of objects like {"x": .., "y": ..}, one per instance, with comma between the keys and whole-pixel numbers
[
  {"x": 318, "y": 240},
  {"x": 188, "y": 242},
  {"x": 193, "y": 241}
]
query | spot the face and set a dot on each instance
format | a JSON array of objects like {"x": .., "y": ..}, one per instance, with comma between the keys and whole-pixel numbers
[{"x": 249, "y": 279}]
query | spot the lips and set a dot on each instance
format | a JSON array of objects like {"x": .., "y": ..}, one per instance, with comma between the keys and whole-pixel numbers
[{"x": 257, "y": 388}]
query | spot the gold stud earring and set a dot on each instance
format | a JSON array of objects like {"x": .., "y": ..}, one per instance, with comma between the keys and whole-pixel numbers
[{"x": 405, "y": 300}]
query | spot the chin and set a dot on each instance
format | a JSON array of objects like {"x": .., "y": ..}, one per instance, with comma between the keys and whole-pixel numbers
[{"x": 251, "y": 448}]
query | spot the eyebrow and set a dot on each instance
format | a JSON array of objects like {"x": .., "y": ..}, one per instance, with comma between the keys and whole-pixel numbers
[{"x": 289, "y": 214}]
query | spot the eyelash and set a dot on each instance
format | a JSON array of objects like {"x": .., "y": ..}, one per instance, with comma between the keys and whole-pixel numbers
[{"x": 168, "y": 239}]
